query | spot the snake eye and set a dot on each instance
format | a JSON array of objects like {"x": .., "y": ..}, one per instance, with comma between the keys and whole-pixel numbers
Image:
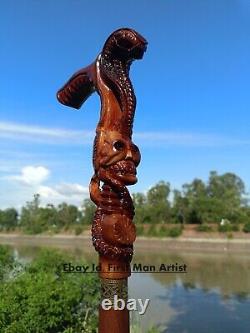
[{"x": 119, "y": 145}]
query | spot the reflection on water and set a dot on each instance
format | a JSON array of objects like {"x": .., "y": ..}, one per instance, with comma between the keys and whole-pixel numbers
[
  {"x": 214, "y": 296},
  {"x": 206, "y": 311}
]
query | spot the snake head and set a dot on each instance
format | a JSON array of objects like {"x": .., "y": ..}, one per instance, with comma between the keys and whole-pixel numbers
[{"x": 126, "y": 44}]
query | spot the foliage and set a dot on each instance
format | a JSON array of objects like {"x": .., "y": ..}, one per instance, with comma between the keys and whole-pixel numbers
[
  {"x": 8, "y": 219},
  {"x": 78, "y": 230},
  {"x": 67, "y": 215},
  {"x": 158, "y": 203},
  {"x": 136, "y": 326},
  {"x": 140, "y": 230},
  {"x": 198, "y": 202},
  {"x": 152, "y": 231},
  {"x": 221, "y": 197},
  {"x": 204, "y": 228},
  {"x": 153, "y": 330},
  {"x": 246, "y": 227},
  {"x": 88, "y": 212},
  {"x": 43, "y": 299},
  {"x": 30, "y": 220},
  {"x": 137, "y": 329},
  {"x": 6, "y": 261},
  {"x": 158, "y": 230},
  {"x": 35, "y": 219},
  {"x": 228, "y": 227},
  {"x": 174, "y": 232}
]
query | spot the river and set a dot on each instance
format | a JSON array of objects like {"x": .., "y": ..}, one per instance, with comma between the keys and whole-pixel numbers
[{"x": 213, "y": 296}]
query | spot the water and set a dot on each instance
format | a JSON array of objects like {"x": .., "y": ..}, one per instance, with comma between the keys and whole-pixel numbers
[{"x": 212, "y": 297}]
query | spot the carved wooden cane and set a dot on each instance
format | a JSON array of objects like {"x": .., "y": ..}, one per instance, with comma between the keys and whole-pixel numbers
[{"x": 115, "y": 158}]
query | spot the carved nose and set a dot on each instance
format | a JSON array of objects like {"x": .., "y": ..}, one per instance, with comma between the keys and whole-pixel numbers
[{"x": 129, "y": 155}]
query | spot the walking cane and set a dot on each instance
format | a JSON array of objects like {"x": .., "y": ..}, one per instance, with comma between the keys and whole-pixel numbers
[{"x": 115, "y": 158}]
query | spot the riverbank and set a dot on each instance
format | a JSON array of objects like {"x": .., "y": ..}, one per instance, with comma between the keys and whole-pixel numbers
[{"x": 183, "y": 243}]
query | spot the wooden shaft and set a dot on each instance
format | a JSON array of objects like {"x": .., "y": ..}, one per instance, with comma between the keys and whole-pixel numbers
[
  {"x": 114, "y": 283},
  {"x": 113, "y": 321}
]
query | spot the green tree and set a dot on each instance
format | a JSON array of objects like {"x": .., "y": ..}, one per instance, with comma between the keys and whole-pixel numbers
[
  {"x": 67, "y": 215},
  {"x": 227, "y": 186},
  {"x": 191, "y": 202},
  {"x": 29, "y": 219},
  {"x": 227, "y": 192},
  {"x": 142, "y": 211},
  {"x": 48, "y": 217},
  {"x": 88, "y": 211},
  {"x": 139, "y": 199},
  {"x": 8, "y": 219},
  {"x": 180, "y": 208},
  {"x": 157, "y": 203},
  {"x": 221, "y": 197}
]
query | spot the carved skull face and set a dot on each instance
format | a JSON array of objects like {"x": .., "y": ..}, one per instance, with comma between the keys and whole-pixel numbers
[{"x": 117, "y": 154}]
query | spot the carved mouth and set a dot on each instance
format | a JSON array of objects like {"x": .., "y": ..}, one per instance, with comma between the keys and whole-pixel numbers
[
  {"x": 124, "y": 168},
  {"x": 139, "y": 51}
]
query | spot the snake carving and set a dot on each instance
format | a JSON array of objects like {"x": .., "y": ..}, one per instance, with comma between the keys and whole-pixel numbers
[{"x": 115, "y": 156}]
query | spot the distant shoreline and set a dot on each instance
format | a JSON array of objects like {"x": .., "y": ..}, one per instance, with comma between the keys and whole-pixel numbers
[{"x": 191, "y": 244}]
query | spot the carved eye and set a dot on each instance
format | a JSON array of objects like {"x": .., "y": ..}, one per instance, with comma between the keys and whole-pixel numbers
[{"x": 119, "y": 145}]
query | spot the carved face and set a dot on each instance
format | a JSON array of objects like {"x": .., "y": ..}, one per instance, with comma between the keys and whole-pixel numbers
[{"x": 117, "y": 154}]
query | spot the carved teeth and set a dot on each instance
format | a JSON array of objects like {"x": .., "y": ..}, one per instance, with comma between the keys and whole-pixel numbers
[{"x": 124, "y": 168}]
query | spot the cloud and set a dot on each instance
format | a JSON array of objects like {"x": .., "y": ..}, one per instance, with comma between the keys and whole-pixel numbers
[
  {"x": 32, "y": 179},
  {"x": 63, "y": 191},
  {"x": 71, "y": 189},
  {"x": 31, "y": 175},
  {"x": 37, "y": 134},
  {"x": 66, "y": 192},
  {"x": 187, "y": 139},
  {"x": 47, "y": 192},
  {"x": 56, "y": 136}
]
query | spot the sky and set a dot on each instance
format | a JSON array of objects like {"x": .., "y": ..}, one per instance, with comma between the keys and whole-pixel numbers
[{"x": 192, "y": 89}]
